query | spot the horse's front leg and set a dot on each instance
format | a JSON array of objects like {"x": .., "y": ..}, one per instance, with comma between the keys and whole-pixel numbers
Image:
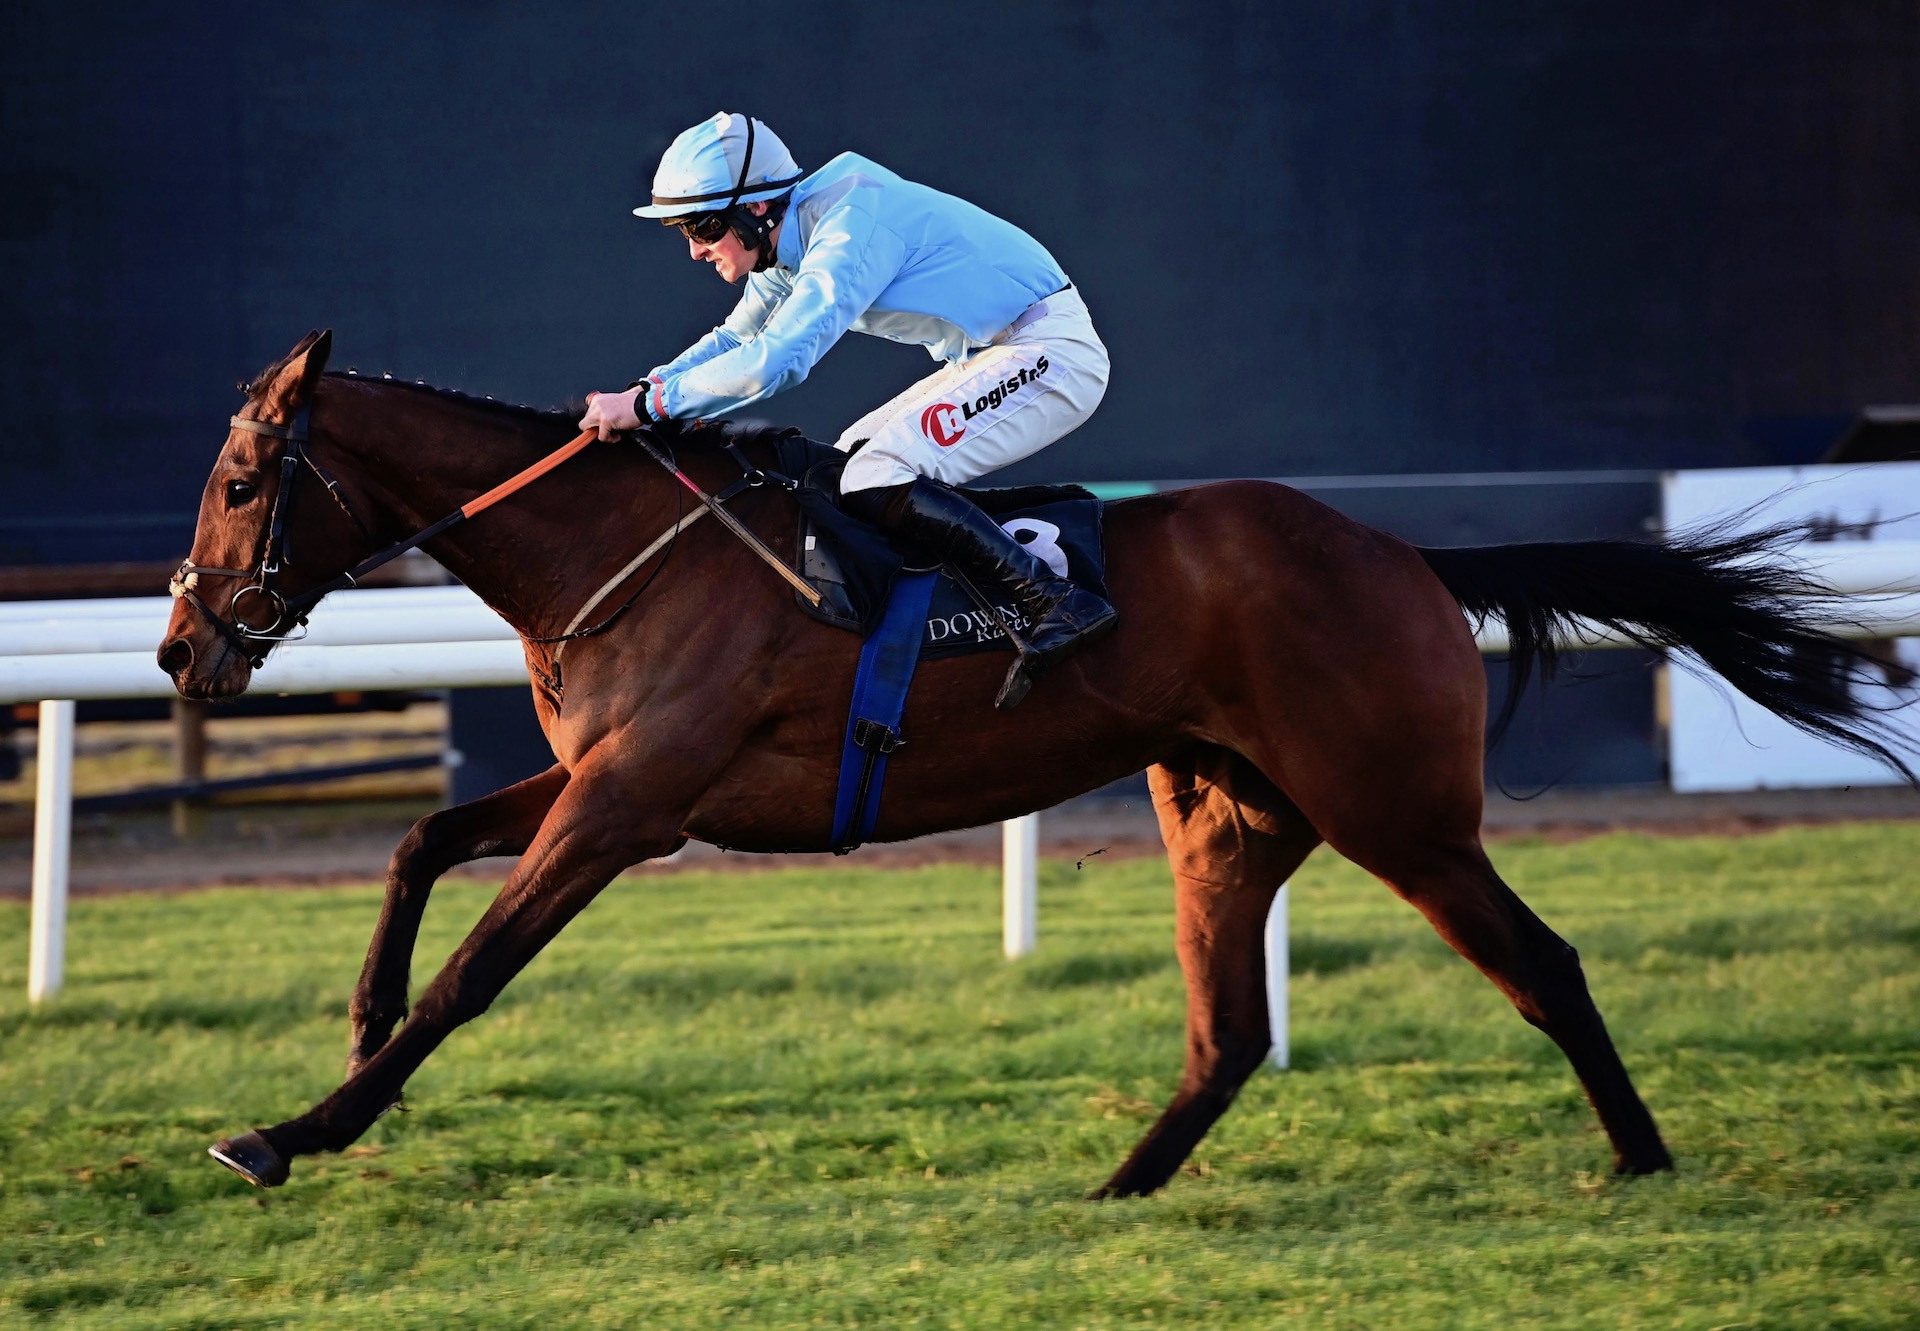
[
  {"x": 592, "y": 833},
  {"x": 503, "y": 823}
]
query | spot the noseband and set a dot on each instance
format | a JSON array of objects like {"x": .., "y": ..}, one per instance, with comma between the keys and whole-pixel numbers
[{"x": 287, "y": 617}]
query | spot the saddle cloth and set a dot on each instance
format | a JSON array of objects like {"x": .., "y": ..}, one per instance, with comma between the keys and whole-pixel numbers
[{"x": 852, "y": 565}]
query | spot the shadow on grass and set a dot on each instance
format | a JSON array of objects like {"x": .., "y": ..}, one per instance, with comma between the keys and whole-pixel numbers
[
  {"x": 624, "y": 1209},
  {"x": 1087, "y": 968},
  {"x": 56, "y": 1293},
  {"x": 1723, "y": 938},
  {"x": 1873, "y": 1050},
  {"x": 1307, "y": 956},
  {"x": 205, "y": 1014},
  {"x": 693, "y": 988},
  {"x": 1328, "y": 956}
]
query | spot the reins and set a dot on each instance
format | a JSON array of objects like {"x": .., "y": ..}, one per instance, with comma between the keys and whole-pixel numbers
[
  {"x": 289, "y": 615},
  {"x": 753, "y": 543}
]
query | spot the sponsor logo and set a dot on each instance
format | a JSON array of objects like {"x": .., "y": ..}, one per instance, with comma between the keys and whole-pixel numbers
[
  {"x": 972, "y": 626},
  {"x": 939, "y": 424}
]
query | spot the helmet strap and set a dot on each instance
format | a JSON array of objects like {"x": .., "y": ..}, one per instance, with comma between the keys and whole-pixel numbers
[{"x": 756, "y": 233}]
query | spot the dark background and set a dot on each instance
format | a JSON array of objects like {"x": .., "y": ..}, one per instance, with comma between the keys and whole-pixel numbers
[{"x": 1321, "y": 240}]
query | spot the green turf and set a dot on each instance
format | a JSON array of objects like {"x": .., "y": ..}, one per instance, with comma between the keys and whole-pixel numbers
[{"x": 820, "y": 1098}]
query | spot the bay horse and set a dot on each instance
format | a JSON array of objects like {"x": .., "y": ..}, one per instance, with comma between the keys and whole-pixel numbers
[{"x": 1285, "y": 675}]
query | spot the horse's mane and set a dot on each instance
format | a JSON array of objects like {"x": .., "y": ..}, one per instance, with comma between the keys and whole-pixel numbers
[
  {"x": 544, "y": 415},
  {"x": 742, "y": 432}
]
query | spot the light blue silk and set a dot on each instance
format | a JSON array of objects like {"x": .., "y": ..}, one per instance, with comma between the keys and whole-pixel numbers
[{"x": 862, "y": 249}]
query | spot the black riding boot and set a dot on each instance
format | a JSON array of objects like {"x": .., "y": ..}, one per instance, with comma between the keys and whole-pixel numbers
[{"x": 1059, "y": 616}]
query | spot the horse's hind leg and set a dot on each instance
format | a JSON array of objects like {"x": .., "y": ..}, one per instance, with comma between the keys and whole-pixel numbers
[
  {"x": 1457, "y": 889},
  {"x": 1232, "y": 840},
  {"x": 503, "y": 823}
]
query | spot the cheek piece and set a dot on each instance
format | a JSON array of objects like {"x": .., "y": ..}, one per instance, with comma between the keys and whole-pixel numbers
[{"x": 756, "y": 233}]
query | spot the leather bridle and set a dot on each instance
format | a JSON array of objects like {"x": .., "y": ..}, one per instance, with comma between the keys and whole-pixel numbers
[
  {"x": 290, "y": 614},
  {"x": 288, "y": 617}
]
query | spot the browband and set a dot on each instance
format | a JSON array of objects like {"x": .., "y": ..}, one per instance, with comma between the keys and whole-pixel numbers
[{"x": 267, "y": 428}]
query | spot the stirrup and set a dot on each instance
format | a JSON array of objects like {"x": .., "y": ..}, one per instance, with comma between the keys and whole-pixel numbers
[
  {"x": 1032, "y": 659},
  {"x": 1015, "y": 687}
]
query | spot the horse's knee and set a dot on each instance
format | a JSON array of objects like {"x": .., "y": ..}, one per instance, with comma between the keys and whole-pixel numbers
[
  {"x": 1557, "y": 993},
  {"x": 1220, "y": 1061},
  {"x": 456, "y": 996},
  {"x": 413, "y": 859},
  {"x": 368, "y": 1007}
]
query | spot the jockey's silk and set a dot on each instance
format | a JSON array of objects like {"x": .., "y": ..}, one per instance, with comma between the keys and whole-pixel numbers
[{"x": 863, "y": 249}]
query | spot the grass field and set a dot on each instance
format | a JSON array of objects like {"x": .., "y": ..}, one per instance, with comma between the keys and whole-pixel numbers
[{"x": 820, "y": 1098}]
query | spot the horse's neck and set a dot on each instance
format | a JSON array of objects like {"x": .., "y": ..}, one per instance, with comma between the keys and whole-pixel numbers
[{"x": 419, "y": 460}]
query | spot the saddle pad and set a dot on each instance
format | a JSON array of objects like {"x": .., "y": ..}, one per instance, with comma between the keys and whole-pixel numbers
[{"x": 852, "y": 564}]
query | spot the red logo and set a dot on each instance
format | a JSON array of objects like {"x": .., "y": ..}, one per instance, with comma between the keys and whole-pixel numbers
[{"x": 937, "y": 423}]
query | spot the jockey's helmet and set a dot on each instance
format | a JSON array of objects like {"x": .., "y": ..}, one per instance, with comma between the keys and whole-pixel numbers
[{"x": 716, "y": 167}]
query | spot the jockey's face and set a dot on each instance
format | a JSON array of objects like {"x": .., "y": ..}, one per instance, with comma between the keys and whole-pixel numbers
[{"x": 732, "y": 260}]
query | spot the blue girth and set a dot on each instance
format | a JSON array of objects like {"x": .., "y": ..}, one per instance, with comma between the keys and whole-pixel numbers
[{"x": 887, "y": 661}]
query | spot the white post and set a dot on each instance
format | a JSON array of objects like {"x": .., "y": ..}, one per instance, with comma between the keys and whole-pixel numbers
[
  {"x": 1277, "y": 975},
  {"x": 1019, "y": 856},
  {"x": 52, "y": 827}
]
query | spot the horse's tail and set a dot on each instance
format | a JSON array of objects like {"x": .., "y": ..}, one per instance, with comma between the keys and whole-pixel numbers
[{"x": 1718, "y": 596}]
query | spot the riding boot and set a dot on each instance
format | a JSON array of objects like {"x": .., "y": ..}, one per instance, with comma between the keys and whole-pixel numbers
[{"x": 1059, "y": 617}]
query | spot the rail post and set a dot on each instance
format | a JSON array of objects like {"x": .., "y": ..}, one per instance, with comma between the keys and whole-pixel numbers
[
  {"x": 189, "y": 763},
  {"x": 52, "y": 824},
  {"x": 1277, "y": 966},
  {"x": 1019, "y": 866}
]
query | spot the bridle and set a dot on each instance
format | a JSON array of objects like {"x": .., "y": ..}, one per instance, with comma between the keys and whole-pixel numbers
[{"x": 288, "y": 616}]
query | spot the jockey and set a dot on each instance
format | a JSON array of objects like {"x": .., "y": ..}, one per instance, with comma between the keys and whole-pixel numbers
[{"x": 852, "y": 245}]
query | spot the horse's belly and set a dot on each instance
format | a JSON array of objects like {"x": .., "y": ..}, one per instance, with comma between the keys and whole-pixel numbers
[{"x": 767, "y": 804}]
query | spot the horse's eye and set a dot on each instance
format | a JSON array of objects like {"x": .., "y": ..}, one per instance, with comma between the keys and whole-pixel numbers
[{"x": 240, "y": 493}]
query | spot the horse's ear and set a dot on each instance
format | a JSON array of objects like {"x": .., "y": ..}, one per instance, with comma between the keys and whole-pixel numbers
[{"x": 293, "y": 379}]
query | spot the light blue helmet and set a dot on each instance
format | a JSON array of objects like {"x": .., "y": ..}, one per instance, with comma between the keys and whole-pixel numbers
[{"x": 729, "y": 160}]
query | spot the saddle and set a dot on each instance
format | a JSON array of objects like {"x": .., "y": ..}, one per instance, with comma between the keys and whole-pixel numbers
[
  {"x": 905, "y": 610},
  {"x": 853, "y": 565}
]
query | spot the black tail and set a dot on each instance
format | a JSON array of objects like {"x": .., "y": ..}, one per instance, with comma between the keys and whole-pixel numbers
[{"x": 1752, "y": 620}]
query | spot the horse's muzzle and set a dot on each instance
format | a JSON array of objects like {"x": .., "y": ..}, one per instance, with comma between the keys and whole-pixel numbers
[{"x": 179, "y": 656}]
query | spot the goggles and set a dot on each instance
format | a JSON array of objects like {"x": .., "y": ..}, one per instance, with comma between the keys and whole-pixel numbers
[{"x": 706, "y": 228}]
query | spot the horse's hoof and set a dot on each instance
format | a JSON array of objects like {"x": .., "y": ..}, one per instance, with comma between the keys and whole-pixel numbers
[
  {"x": 1120, "y": 1188},
  {"x": 1643, "y": 1160},
  {"x": 1662, "y": 1164},
  {"x": 249, "y": 1156}
]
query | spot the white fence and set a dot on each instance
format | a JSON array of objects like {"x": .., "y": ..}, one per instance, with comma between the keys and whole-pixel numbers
[
  {"x": 57, "y": 652},
  {"x": 444, "y": 637}
]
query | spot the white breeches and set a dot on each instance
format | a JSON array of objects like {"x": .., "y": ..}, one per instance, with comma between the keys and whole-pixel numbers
[{"x": 1033, "y": 385}]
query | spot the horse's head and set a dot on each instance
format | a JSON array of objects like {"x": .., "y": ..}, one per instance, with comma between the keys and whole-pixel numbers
[{"x": 232, "y": 596}]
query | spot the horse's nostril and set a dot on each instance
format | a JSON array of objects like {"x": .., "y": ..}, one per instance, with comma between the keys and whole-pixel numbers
[{"x": 176, "y": 656}]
